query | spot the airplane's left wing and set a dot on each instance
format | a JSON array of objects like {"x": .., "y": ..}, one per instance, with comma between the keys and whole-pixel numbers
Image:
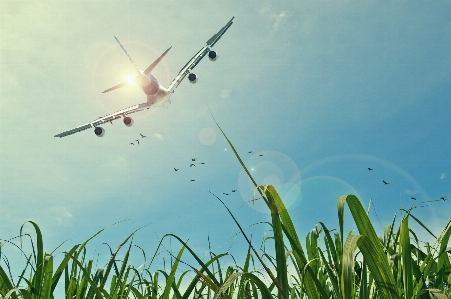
[
  {"x": 191, "y": 64},
  {"x": 105, "y": 119}
]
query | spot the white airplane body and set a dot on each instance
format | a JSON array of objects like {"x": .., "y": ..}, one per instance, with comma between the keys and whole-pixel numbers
[{"x": 156, "y": 94}]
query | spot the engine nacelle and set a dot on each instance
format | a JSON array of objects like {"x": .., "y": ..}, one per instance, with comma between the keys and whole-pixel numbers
[
  {"x": 99, "y": 131},
  {"x": 128, "y": 121},
  {"x": 192, "y": 77},
  {"x": 212, "y": 55}
]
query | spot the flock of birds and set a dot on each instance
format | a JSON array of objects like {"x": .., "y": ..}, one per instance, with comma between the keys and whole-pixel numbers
[
  {"x": 193, "y": 164},
  {"x": 386, "y": 183},
  {"x": 202, "y": 163},
  {"x": 137, "y": 140}
]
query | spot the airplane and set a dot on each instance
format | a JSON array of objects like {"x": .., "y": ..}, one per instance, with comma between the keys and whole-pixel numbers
[{"x": 156, "y": 94}]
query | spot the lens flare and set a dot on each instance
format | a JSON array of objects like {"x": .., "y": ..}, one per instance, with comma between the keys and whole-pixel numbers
[{"x": 131, "y": 79}]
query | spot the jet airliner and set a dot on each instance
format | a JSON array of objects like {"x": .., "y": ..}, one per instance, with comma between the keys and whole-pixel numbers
[{"x": 156, "y": 94}]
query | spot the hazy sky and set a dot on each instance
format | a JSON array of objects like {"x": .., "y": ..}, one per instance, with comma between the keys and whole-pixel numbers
[{"x": 322, "y": 89}]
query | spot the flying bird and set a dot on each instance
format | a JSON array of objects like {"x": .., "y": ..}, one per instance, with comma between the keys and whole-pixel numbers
[
  {"x": 442, "y": 198},
  {"x": 192, "y": 180},
  {"x": 233, "y": 190},
  {"x": 370, "y": 168},
  {"x": 413, "y": 198},
  {"x": 132, "y": 143},
  {"x": 193, "y": 159},
  {"x": 176, "y": 169},
  {"x": 142, "y": 136},
  {"x": 249, "y": 152},
  {"x": 192, "y": 165},
  {"x": 385, "y": 182},
  {"x": 201, "y": 163},
  {"x": 260, "y": 155},
  {"x": 225, "y": 193},
  {"x": 137, "y": 141}
]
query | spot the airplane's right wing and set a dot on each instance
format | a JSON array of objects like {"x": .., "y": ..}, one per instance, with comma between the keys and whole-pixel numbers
[
  {"x": 191, "y": 64},
  {"x": 105, "y": 119}
]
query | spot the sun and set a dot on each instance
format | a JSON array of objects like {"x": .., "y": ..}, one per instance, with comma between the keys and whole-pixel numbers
[{"x": 131, "y": 79}]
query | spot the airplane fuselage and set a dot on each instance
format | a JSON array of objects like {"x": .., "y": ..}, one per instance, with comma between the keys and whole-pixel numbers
[{"x": 156, "y": 94}]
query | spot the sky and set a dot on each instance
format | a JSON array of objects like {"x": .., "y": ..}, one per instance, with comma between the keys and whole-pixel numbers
[{"x": 317, "y": 91}]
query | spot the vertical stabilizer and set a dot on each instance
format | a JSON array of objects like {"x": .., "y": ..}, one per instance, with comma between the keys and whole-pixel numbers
[{"x": 131, "y": 60}]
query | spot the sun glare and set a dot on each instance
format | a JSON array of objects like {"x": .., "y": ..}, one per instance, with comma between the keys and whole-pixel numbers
[{"x": 131, "y": 79}]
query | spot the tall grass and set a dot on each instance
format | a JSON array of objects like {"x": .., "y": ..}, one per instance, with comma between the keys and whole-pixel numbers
[{"x": 328, "y": 265}]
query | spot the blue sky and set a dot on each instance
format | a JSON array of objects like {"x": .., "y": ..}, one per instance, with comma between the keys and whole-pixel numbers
[{"x": 321, "y": 89}]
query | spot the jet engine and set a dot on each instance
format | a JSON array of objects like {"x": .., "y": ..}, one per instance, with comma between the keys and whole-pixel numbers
[
  {"x": 192, "y": 78},
  {"x": 128, "y": 121},
  {"x": 99, "y": 131},
  {"x": 212, "y": 55}
]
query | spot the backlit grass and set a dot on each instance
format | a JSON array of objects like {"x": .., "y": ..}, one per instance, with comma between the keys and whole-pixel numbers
[{"x": 328, "y": 265}]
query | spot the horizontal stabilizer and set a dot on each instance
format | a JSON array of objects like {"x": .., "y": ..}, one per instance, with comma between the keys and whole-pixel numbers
[
  {"x": 116, "y": 87},
  {"x": 154, "y": 64}
]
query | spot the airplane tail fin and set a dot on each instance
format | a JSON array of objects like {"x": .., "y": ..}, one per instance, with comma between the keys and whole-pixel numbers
[
  {"x": 146, "y": 72},
  {"x": 131, "y": 60}
]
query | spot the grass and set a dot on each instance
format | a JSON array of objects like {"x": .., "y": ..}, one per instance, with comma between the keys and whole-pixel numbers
[{"x": 329, "y": 265}]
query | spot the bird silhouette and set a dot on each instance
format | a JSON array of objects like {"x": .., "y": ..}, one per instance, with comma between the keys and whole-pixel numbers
[
  {"x": 192, "y": 165},
  {"x": 176, "y": 169},
  {"x": 193, "y": 159},
  {"x": 137, "y": 141},
  {"x": 260, "y": 155},
  {"x": 132, "y": 143},
  {"x": 370, "y": 168},
  {"x": 201, "y": 163},
  {"x": 413, "y": 198},
  {"x": 233, "y": 190},
  {"x": 442, "y": 198},
  {"x": 225, "y": 193},
  {"x": 249, "y": 152},
  {"x": 142, "y": 136},
  {"x": 385, "y": 182},
  {"x": 192, "y": 180}
]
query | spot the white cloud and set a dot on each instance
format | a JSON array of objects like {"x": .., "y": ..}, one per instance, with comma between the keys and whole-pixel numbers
[
  {"x": 442, "y": 176},
  {"x": 277, "y": 19},
  {"x": 62, "y": 215},
  {"x": 225, "y": 93},
  {"x": 158, "y": 136}
]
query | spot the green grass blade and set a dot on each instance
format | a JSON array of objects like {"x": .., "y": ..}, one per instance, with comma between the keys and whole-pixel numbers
[
  {"x": 170, "y": 279},
  {"x": 281, "y": 262},
  {"x": 193, "y": 283},
  {"x": 6, "y": 284},
  {"x": 443, "y": 263},
  {"x": 375, "y": 261},
  {"x": 60, "y": 269},
  {"x": 229, "y": 281},
  {"x": 384, "y": 276},
  {"x": 92, "y": 283},
  {"x": 39, "y": 260},
  {"x": 406, "y": 256},
  {"x": 47, "y": 277}
]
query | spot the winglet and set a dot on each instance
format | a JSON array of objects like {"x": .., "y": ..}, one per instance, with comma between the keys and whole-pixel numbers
[{"x": 212, "y": 41}]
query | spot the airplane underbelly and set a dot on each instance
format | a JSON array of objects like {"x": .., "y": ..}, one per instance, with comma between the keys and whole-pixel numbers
[
  {"x": 158, "y": 96},
  {"x": 151, "y": 88},
  {"x": 149, "y": 84}
]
